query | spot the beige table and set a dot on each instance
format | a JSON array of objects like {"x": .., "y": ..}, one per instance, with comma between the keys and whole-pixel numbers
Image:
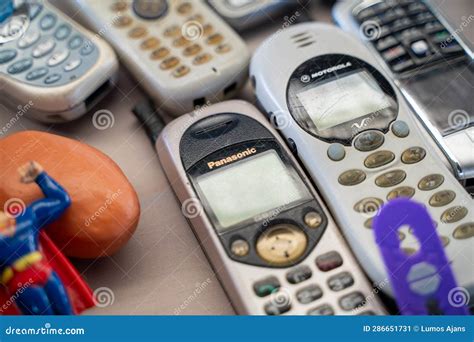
[{"x": 162, "y": 270}]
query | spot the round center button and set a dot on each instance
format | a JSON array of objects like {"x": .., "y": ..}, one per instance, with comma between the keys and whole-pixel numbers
[
  {"x": 149, "y": 10},
  {"x": 282, "y": 244},
  {"x": 369, "y": 141}
]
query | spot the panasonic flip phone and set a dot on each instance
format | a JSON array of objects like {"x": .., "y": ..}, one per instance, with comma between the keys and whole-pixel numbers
[
  {"x": 266, "y": 232},
  {"x": 357, "y": 138},
  {"x": 428, "y": 53},
  {"x": 47, "y": 59},
  {"x": 182, "y": 53}
]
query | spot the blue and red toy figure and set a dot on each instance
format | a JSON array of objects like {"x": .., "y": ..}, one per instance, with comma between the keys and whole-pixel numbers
[{"x": 28, "y": 277}]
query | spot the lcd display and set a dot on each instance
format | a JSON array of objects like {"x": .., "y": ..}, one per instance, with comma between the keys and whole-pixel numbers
[
  {"x": 343, "y": 99},
  {"x": 253, "y": 186}
]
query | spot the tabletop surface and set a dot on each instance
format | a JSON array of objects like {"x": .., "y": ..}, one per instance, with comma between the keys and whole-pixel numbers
[{"x": 162, "y": 269}]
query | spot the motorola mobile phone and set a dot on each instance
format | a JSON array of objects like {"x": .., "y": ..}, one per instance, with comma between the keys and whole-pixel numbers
[
  {"x": 181, "y": 52},
  {"x": 51, "y": 61},
  {"x": 430, "y": 59},
  {"x": 245, "y": 14},
  {"x": 263, "y": 227},
  {"x": 358, "y": 140}
]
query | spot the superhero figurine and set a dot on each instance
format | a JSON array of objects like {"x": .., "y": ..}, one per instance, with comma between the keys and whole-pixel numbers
[{"x": 28, "y": 277}]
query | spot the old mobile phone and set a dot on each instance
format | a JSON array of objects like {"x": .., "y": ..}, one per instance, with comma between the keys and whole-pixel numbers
[
  {"x": 358, "y": 140},
  {"x": 430, "y": 59},
  {"x": 53, "y": 62},
  {"x": 263, "y": 227},
  {"x": 181, "y": 52},
  {"x": 245, "y": 14}
]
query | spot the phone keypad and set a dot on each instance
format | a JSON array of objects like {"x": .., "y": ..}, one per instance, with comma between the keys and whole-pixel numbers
[
  {"x": 279, "y": 296},
  {"x": 441, "y": 199},
  {"x": 408, "y": 35},
  {"x": 188, "y": 45},
  {"x": 50, "y": 53}
]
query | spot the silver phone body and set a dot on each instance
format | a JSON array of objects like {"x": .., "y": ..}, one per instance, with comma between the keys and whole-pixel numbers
[
  {"x": 438, "y": 93},
  {"x": 183, "y": 79},
  {"x": 77, "y": 91},
  {"x": 271, "y": 67},
  {"x": 238, "y": 278}
]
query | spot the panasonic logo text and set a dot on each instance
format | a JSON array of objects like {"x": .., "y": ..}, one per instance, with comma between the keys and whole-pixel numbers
[{"x": 232, "y": 158}]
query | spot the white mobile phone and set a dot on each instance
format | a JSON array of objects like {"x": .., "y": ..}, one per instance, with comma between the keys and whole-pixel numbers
[
  {"x": 51, "y": 65},
  {"x": 358, "y": 140},
  {"x": 265, "y": 230},
  {"x": 181, "y": 52}
]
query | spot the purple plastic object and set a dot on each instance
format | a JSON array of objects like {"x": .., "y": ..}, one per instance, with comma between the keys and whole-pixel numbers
[{"x": 422, "y": 279}]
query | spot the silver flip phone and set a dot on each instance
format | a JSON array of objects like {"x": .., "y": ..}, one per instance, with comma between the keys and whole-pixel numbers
[
  {"x": 359, "y": 141},
  {"x": 46, "y": 60},
  {"x": 431, "y": 63},
  {"x": 266, "y": 232},
  {"x": 245, "y": 14},
  {"x": 180, "y": 51}
]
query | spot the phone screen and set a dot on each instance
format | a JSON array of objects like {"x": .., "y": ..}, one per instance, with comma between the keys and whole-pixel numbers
[
  {"x": 343, "y": 99},
  {"x": 253, "y": 186}
]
